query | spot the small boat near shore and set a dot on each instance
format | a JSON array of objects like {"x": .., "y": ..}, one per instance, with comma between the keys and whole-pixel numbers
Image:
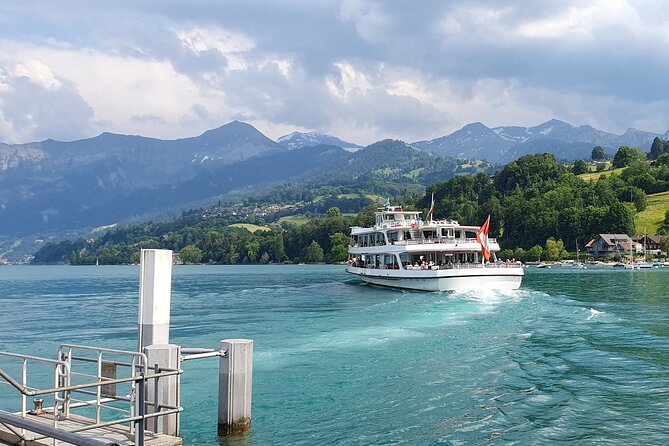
[{"x": 403, "y": 251}]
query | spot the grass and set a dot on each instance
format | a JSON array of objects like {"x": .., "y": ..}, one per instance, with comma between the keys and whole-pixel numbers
[
  {"x": 295, "y": 219},
  {"x": 374, "y": 198},
  {"x": 250, "y": 227},
  {"x": 414, "y": 173},
  {"x": 595, "y": 175},
  {"x": 652, "y": 218}
]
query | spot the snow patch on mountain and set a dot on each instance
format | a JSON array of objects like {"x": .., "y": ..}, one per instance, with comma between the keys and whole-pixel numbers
[{"x": 298, "y": 140}]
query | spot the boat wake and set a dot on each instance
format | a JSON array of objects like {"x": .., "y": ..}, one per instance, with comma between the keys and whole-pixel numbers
[
  {"x": 593, "y": 313},
  {"x": 491, "y": 296}
]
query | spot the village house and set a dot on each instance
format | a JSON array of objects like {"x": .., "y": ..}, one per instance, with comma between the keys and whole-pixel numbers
[
  {"x": 608, "y": 245},
  {"x": 650, "y": 243}
]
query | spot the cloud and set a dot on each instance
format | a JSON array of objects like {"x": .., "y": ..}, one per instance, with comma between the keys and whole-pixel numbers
[
  {"x": 360, "y": 69},
  {"x": 369, "y": 17},
  {"x": 35, "y": 104}
]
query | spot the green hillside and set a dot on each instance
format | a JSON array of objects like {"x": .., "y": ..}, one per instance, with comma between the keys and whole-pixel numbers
[
  {"x": 250, "y": 227},
  {"x": 595, "y": 175},
  {"x": 651, "y": 219}
]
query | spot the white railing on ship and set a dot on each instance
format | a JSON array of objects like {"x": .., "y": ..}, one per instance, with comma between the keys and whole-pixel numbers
[
  {"x": 441, "y": 267},
  {"x": 426, "y": 241}
]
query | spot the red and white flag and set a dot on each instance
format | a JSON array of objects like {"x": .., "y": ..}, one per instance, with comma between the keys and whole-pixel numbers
[{"x": 482, "y": 238}]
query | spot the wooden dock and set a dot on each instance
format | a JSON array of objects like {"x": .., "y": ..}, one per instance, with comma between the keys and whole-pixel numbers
[{"x": 116, "y": 434}]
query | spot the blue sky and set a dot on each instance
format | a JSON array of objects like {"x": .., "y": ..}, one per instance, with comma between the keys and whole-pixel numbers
[{"x": 362, "y": 70}]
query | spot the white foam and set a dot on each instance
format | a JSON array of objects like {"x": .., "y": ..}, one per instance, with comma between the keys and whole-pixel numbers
[{"x": 593, "y": 313}]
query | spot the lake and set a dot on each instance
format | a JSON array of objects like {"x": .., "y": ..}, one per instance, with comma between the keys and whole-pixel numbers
[{"x": 574, "y": 356}]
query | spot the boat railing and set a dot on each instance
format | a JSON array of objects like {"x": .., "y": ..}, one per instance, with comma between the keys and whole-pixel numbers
[
  {"x": 443, "y": 267},
  {"x": 442, "y": 241}
]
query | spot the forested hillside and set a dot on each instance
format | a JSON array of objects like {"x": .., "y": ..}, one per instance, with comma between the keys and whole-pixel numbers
[{"x": 531, "y": 200}]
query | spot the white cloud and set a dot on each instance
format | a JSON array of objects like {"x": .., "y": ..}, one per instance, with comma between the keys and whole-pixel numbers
[
  {"x": 348, "y": 82},
  {"x": 586, "y": 21},
  {"x": 38, "y": 73},
  {"x": 231, "y": 45},
  {"x": 361, "y": 69},
  {"x": 369, "y": 17},
  {"x": 118, "y": 88}
]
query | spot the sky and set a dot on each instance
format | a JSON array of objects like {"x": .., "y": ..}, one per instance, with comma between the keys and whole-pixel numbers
[{"x": 362, "y": 70}]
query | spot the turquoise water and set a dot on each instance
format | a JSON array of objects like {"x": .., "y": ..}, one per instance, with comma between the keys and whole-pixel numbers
[{"x": 574, "y": 357}]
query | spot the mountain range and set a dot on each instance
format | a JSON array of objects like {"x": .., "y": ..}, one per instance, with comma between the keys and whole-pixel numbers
[
  {"x": 297, "y": 140},
  {"x": 504, "y": 144},
  {"x": 52, "y": 186}
]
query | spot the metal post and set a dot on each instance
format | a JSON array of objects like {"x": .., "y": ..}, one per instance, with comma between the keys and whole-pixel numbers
[
  {"x": 234, "y": 386},
  {"x": 155, "y": 290},
  {"x": 163, "y": 391},
  {"x": 139, "y": 403}
]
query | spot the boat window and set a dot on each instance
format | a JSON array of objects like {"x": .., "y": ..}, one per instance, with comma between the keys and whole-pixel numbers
[
  {"x": 447, "y": 232},
  {"x": 389, "y": 261},
  {"x": 393, "y": 236}
]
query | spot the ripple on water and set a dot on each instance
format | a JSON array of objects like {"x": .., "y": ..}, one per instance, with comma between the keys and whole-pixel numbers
[{"x": 568, "y": 358}]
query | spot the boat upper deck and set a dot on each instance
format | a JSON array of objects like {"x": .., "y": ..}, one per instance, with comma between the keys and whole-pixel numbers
[{"x": 394, "y": 217}]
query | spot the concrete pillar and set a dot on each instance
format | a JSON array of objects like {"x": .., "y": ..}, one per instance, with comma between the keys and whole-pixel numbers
[
  {"x": 234, "y": 387},
  {"x": 155, "y": 288},
  {"x": 164, "y": 390}
]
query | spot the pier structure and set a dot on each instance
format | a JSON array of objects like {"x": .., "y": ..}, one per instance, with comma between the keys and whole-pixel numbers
[{"x": 106, "y": 397}]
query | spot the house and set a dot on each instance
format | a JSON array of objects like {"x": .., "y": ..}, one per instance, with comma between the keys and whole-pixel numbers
[
  {"x": 608, "y": 245},
  {"x": 650, "y": 243}
]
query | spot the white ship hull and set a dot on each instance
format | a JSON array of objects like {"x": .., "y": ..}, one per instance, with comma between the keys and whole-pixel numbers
[{"x": 453, "y": 279}]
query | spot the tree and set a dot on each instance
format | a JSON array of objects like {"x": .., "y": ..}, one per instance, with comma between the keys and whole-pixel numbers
[
  {"x": 339, "y": 251},
  {"x": 191, "y": 254},
  {"x": 580, "y": 166},
  {"x": 619, "y": 219},
  {"x": 534, "y": 253},
  {"x": 277, "y": 249},
  {"x": 333, "y": 213},
  {"x": 664, "y": 244},
  {"x": 313, "y": 253},
  {"x": 626, "y": 155},
  {"x": 658, "y": 148},
  {"x": 597, "y": 153},
  {"x": 554, "y": 249},
  {"x": 252, "y": 248},
  {"x": 662, "y": 160},
  {"x": 366, "y": 217}
]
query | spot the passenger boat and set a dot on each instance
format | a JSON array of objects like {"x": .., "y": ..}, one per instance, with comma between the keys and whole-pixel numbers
[{"x": 403, "y": 251}]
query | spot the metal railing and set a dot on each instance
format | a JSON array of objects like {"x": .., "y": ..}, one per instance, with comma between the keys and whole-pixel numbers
[
  {"x": 99, "y": 366},
  {"x": 61, "y": 370},
  {"x": 444, "y": 240},
  {"x": 440, "y": 267}
]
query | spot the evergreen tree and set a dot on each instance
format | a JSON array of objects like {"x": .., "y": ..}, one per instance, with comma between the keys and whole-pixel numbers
[{"x": 658, "y": 148}]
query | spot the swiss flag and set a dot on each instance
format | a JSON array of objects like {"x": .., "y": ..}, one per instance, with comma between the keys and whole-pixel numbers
[{"x": 482, "y": 238}]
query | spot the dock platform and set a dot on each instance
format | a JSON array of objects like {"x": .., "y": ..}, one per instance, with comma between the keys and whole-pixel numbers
[{"x": 116, "y": 434}]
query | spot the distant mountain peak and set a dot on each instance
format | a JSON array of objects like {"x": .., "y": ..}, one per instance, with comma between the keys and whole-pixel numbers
[
  {"x": 475, "y": 125},
  {"x": 298, "y": 140},
  {"x": 505, "y": 143}
]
